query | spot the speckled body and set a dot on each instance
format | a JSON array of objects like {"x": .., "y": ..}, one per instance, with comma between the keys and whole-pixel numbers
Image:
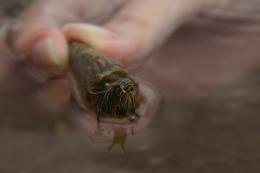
[{"x": 103, "y": 84}]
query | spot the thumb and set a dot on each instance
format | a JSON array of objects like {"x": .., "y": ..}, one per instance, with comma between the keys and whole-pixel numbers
[
  {"x": 138, "y": 28},
  {"x": 35, "y": 36}
]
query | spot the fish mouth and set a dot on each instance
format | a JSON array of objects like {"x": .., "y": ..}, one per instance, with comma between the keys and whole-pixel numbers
[{"x": 107, "y": 125}]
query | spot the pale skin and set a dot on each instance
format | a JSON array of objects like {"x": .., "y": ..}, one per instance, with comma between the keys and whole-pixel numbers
[{"x": 129, "y": 31}]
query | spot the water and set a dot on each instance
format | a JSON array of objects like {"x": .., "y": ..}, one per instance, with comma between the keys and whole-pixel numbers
[{"x": 216, "y": 132}]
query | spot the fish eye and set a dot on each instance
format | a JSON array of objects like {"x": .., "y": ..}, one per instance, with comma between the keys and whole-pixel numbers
[{"x": 131, "y": 88}]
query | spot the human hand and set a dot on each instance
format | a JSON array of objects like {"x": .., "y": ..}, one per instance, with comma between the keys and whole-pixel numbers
[
  {"x": 129, "y": 30},
  {"x": 39, "y": 39}
]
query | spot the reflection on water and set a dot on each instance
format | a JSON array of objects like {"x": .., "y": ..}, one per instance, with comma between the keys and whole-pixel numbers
[{"x": 219, "y": 133}]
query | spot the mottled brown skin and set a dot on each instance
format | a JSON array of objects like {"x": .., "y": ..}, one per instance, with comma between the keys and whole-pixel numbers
[{"x": 104, "y": 85}]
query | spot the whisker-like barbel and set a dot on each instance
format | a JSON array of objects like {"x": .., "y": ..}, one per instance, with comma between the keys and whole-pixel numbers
[{"x": 103, "y": 84}]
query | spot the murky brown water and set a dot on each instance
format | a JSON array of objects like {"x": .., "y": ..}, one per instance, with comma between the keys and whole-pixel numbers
[{"x": 219, "y": 132}]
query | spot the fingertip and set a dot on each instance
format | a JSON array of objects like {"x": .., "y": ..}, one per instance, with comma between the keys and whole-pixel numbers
[
  {"x": 104, "y": 40},
  {"x": 41, "y": 44},
  {"x": 50, "y": 51},
  {"x": 92, "y": 35}
]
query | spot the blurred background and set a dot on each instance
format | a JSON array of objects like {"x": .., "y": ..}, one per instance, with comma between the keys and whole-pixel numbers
[{"x": 208, "y": 118}]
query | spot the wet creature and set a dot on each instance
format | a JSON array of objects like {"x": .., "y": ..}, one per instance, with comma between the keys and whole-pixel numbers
[{"x": 103, "y": 85}]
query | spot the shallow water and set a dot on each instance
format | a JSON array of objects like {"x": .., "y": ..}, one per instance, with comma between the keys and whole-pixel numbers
[{"x": 218, "y": 132}]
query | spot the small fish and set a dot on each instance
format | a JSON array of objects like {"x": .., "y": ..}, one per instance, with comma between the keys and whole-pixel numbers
[{"x": 102, "y": 84}]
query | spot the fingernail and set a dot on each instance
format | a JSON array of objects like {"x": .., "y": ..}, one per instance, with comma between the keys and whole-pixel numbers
[
  {"x": 92, "y": 35},
  {"x": 47, "y": 53}
]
